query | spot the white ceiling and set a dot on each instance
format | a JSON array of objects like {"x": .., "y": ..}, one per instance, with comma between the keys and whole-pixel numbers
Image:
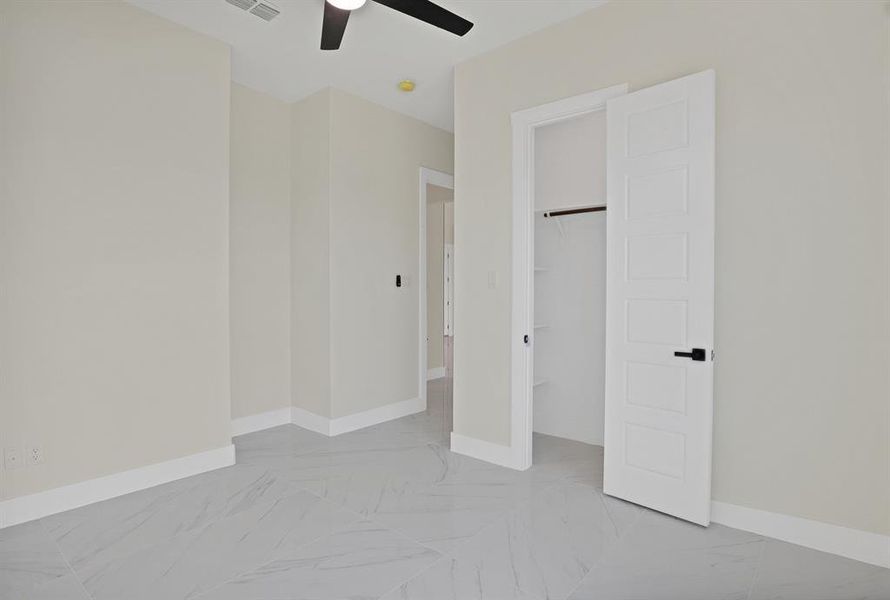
[{"x": 380, "y": 47}]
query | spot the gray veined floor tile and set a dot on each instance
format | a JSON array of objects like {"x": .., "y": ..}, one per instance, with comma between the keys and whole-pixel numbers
[
  {"x": 318, "y": 465},
  {"x": 544, "y": 548},
  {"x": 107, "y": 530},
  {"x": 405, "y": 480},
  {"x": 789, "y": 572},
  {"x": 451, "y": 579},
  {"x": 548, "y": 450},
  {"x": 62, "y": 588},
  {"x": 440, "y": 518},
  {"x": 195, "y": 562},
  {"x": 406, "y": 432},
  {"x": 449, "y": 498},
  {"x": 429, "y": 421},
  {"x": 657, "y": 533},
  {"x": 719, "y": 573},
  {"x": 663, "y": 558},
  {"x": 567, "y": 459},
  {"x": 361, "y": 562},
  {"x": 446, "y": 497},
  {"x": 275, "y": 446},
  {"x": 28, "y": 558}
]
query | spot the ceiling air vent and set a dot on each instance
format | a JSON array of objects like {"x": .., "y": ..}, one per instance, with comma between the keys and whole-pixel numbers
[
  {"x": 264, "y": 11},
  {"x": 242, "y": 4}
]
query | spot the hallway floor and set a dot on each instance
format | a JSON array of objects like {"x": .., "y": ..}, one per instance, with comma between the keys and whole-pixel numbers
[{"x": 389, "y": 512}]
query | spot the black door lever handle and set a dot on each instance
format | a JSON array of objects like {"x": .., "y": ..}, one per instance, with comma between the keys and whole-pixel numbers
[{"x": 696, "y": 354}]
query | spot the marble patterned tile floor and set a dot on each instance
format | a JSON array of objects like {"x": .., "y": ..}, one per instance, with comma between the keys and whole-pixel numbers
[{"x": 389, "y": 512}]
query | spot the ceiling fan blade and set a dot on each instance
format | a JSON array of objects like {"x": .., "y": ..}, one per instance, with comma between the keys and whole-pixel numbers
[
  {"x": 430, "y": 13},
  {"x": 333, "y": 26}
]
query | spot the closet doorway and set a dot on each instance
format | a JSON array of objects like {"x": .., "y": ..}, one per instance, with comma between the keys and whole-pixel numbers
[{"x": 613, "y": 287}]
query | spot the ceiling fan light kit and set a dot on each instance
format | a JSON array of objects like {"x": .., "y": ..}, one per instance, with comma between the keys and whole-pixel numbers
[
  {"x": 336, "y": 16},
  {"x": 347, "y": 4}
]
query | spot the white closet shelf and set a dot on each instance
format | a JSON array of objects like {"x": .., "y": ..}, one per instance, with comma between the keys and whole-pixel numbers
[
  {"x": 541, "y": 325},
  {"x": 539, "y": 269},
  {"x": 540, "y": 381}
]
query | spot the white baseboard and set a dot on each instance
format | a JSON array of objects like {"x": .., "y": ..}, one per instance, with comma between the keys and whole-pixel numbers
[
  {"x": 375, "y": 416},
  {"x": 272, "y": 418},
  {"x": 50, "y": 502},
  {"x": 436, "y": 373},
  {"x": 311, "y": 421},
  {"x": 487, "y": 451},
  {"x": 859, "y": 545}
]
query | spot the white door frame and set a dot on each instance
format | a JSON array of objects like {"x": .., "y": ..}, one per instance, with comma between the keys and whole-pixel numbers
[
  {"x": 427, "y": 177},
  {"x": 448, "y": 286},
  {"x": 521, "y": 354}
]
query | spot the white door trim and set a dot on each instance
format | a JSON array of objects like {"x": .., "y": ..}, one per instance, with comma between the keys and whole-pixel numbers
[
  {"x": 448, "y": 287},
  {"x": 431, "y": 177},
  {"x": 521, "y": 355}
]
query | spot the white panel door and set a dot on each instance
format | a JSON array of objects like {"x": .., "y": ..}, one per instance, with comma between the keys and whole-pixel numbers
[{"x": 660, "y": 297}]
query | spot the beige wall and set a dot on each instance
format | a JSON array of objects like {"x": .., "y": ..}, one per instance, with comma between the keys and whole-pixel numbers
[
  {"x": 803, "y": 177},
  {"x": 439, "y": 200},
  {"x": 310, "y": 254},
  {"x": 354, "y": 197},
  {"x": 114, "y": 333},
  {"x": 259, "y": 250},
  {"x": 376, "y": 155}
]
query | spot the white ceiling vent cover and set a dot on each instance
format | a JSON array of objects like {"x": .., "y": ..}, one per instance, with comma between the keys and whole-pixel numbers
[
  {"x": 264, "y": 11},
  {"x": 242, "y": 4}
]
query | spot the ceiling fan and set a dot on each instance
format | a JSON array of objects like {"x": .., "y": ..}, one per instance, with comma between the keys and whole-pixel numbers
[{"x": 336, "y": 14}]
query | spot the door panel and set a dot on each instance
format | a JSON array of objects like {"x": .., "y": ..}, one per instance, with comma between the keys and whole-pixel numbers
[{"x": 660, "y": 296}]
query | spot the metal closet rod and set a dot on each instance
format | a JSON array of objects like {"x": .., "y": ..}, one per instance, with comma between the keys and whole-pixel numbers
[{"x": 574, "y": 211}]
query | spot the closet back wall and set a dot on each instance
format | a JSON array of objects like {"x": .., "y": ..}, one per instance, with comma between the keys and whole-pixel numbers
[{"x": 570, "y": 327}]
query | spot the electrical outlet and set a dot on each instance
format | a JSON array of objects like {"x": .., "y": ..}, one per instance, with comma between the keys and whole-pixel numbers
[
  {"x": 12, "y": 458},
  {"x": 34, "y": 455}
]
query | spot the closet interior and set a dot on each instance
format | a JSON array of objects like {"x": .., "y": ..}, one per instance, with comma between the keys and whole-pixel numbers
[{"x": 570, "y": 278}]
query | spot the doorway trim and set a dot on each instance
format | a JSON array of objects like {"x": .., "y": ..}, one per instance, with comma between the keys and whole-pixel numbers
[
  {"x": 438, "y": 178},
  {"x": 525, "y": 122}
]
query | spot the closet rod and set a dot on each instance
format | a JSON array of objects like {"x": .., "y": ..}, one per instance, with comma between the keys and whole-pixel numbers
[{"x": 573, "y": 211}]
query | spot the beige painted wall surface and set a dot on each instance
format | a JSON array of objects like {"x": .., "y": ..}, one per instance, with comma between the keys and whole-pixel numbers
[
  {"x": 438, "y": 200},
  {"x": 259, "y": 250},
  {"x": 376, "y": 155},
  {"x": 114, "y": 316},
  {"x": 310, "y": 254},
  {"x": 802, "y": 385}
]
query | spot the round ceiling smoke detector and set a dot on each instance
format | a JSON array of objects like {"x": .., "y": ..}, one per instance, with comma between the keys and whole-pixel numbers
[
  {"x": 347, "y": 4},
  {"x": 406, "y": 85}
]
